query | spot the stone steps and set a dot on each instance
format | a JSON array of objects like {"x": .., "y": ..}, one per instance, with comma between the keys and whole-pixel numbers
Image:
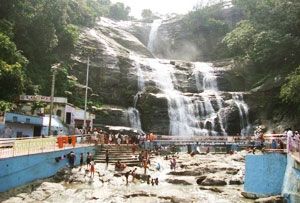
[{"x": 121, "y": 153}]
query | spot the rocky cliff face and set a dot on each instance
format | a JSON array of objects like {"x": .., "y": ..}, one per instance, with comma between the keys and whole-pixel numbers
[{"x": 171, "y": 96}]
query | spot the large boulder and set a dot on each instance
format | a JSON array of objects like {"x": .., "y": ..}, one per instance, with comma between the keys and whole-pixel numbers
[
  {"x": 112, "y": 115},
  {"x": 154, "y": 113},
  {"x": 213, "y": 181},
  {"x": 178, "y": 182},
  {"x": 231, "y": 115}
]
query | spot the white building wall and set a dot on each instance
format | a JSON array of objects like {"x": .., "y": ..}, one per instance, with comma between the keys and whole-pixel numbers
[{"x": 27, "y": 130}]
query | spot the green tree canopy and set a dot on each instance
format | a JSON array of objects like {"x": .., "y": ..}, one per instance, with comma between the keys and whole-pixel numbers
[
  {"x": 147, "y": 13},
  {"x": 12, "y": 65},
  {"x": 119, "y": 11}
]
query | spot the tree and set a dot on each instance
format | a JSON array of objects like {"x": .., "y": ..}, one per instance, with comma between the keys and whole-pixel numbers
[
  {"x": 118, "y": 11},
  {"x": 289, "y": 92},
  {"x": 11, "y": 69},
  {"x": 147, "y": 13}
]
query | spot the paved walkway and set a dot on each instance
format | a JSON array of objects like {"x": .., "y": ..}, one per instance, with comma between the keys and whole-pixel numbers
[{"x": 11, "y": 152}]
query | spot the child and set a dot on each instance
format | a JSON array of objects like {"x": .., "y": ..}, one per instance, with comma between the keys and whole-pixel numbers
[{"x": 92, "y": 163}]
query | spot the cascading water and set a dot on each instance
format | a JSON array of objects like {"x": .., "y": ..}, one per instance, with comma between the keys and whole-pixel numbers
[
  {"x": 189, "y": 114},
  {"x": 183, "y": 110},
  {"x": 133, "y": 112},
  {"x": 181, "y": 118},
  {"x": 243, "y": 111},
  {"x": 210, "y": 88},
  {"x": 153, "y": 34},
  {"x": 134, "y": 118}
]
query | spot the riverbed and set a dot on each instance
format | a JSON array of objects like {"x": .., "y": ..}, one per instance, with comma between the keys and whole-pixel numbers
[{"x": 202, "y": 178}]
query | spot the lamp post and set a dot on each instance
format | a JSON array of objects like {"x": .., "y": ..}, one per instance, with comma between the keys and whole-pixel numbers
[
  {"x": 86, "y": 92},
  {"x": 54, "y": 71}
]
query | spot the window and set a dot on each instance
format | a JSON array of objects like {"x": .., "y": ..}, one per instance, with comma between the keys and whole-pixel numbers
[
  {"x": 27, "y": 120},
  {"x": 58, "y": 112},
  {"x": 15, "y": 118},
  {"x": 68, "y": 118}
]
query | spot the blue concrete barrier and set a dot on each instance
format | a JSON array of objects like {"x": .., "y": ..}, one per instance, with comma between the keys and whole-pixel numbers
[
  {"x": 265, "y": 173},
  {"x": 291, "y": 183},
  {"x": 20, "y": 170}
]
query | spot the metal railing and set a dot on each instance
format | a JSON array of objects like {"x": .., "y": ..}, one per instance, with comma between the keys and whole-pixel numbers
[
  {"x": 294, "y": 147},
  {"x": 274, "y": 143},
  {"x": 10, "y": 147},
  {"x": 280, "y": 143}
]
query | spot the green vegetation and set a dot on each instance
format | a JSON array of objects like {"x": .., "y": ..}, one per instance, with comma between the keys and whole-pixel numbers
[
  {"x": 290, "y": 90},
  {"x": 147, "y": 14},
  {"x": 119, "y": 11},
  {"x": 269, "y": 40},
  {"x": 263, "y": 36},
  {"x": 11, "y": 69},
  {"x": 208, "y": 26},
  {"x": 35, "y": 34}
]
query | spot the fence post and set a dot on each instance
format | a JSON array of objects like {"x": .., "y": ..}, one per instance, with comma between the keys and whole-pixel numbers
[
  {"x": 29, "y": 146},
  {"x": 14, "y": 147},
  {"x": 42, "y": 139}
]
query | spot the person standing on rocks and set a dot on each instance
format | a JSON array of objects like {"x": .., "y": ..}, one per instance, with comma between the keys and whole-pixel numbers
[
  {"x": 119, "y": 141},
  {"x": 145, "y": 165},
  {"x": 173, "y": 164},
  {"x": 106, "y": 158},
  {"x": 126, "y": 176},
  {"x": 81, "y": 160},
  {"x": 148, "y": 179},
  {"x": 156, "y": 181},
  {"x": 88, "y": 160},
  {"x": 133, "y": 174},
  {"x": 92, "y": 163},
  {"x": 72, "y": 158}
]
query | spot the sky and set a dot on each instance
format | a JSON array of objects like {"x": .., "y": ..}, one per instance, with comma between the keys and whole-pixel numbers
[{"x": 160, "y": 6}]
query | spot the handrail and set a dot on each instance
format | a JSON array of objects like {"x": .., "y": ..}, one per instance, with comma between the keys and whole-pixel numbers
[{"x": 10, "y": 147}]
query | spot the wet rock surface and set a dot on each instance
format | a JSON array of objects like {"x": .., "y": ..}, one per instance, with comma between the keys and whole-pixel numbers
[{"x": 181, "y": 185}]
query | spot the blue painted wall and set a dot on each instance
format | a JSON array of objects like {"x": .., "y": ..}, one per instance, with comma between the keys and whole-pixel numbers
[
  {"x": 17, "y": 171},
  {"x": 265, "y": 173},
  {"x": 291, "y": 183}
]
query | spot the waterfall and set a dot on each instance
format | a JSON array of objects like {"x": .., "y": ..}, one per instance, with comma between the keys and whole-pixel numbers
[
  {"x": 133, "y": 112},
  {"x": 134, "y": 119},
  {"x": 153, "y": 34},
  {"x": 183, "y": 110},
  {"x": 140, "y": 74},
  {"x": 210, "y": 88},
  {"x": 243, "y": 112}
]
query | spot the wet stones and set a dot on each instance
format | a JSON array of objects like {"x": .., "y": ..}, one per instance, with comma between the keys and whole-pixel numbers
[
  {"x": 213, "y": 182},
  {"x": 186, "y": 173},
  {"x": 236, "y": 182},
  {"x": 201, "y": 179},
  {"x": 178, "y": 182},
  {"x": 232, "y": 171},
  {"x": 272, "y": 199},
  {"x": 214, "y": 189}
]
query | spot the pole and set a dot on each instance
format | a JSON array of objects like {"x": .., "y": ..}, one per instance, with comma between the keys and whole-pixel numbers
[
  {"x": 51, "y": 104},
  {"x": 86, "y": 92}
]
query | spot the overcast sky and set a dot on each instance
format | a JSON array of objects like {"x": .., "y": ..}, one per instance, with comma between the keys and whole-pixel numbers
[{"x": 160, "y": 6}]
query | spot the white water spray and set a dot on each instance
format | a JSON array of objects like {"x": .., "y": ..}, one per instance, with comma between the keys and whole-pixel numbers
[{"x": 153, "y": 34}]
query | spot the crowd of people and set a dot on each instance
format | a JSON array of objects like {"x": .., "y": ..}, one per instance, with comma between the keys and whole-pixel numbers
[
  {"x": 99, "y": 136},
  {"x": 288, "y": 140}
]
